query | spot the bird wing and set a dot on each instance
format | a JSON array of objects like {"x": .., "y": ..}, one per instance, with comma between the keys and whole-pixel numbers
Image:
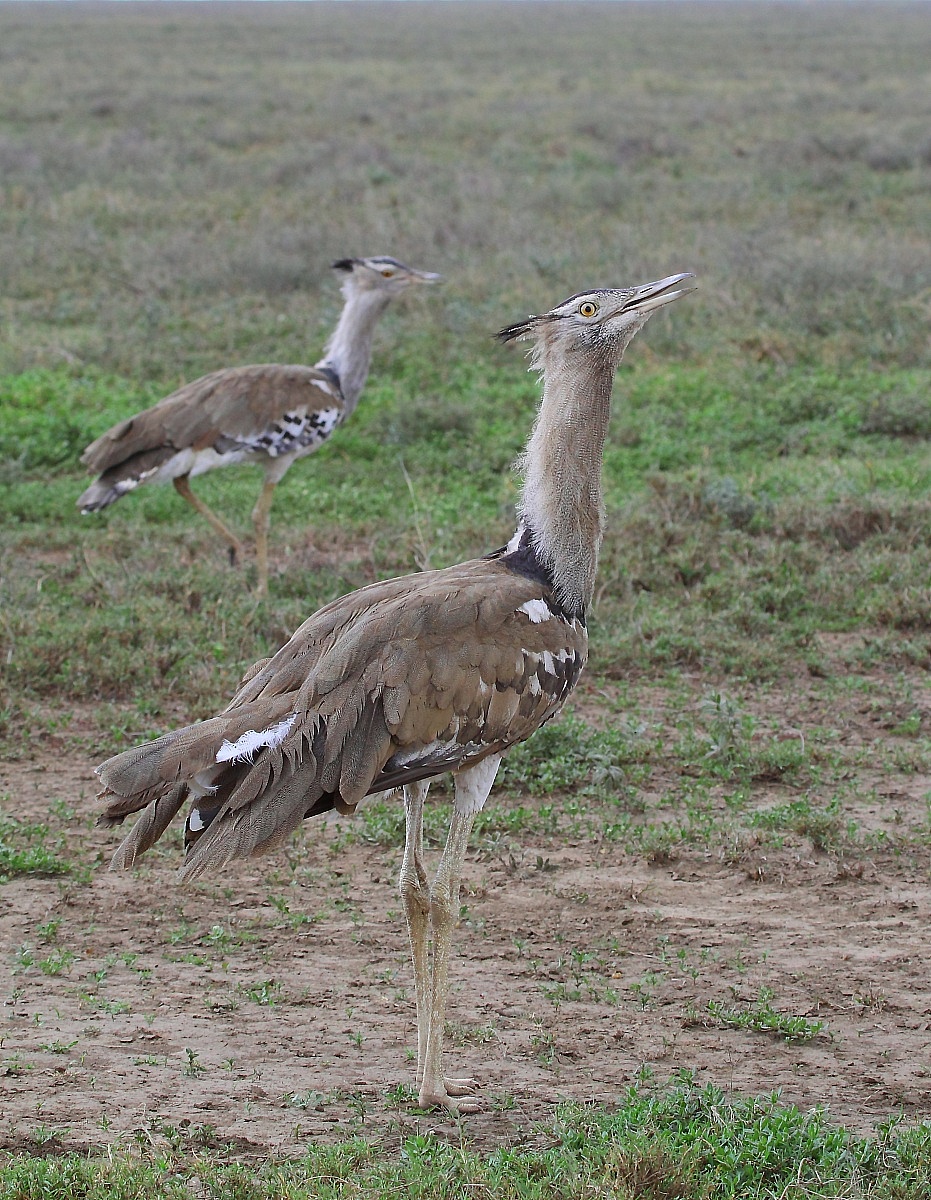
[
  {"x": 265, "y": 407},
  {"x": 399, "y": 681}
]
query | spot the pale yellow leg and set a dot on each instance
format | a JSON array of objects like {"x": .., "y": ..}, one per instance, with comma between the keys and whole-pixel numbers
[
  {"x": 444, "y": 914},
  {"x": 415, "y": 896},
  {"x": 472, "y": 788},
  {"x": 260, "y": 519},
  {"x": 183, "y": 488}
]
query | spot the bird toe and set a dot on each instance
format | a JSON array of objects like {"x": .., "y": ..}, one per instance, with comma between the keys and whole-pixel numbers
[
  {"x": 460, "y": 1087},
  {"x": 457, "y": 1097}
]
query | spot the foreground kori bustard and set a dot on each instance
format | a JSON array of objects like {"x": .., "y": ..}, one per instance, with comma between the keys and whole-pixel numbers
[
  {"x": 404, "y": 680},
  {"x": 268, "y": 414}
]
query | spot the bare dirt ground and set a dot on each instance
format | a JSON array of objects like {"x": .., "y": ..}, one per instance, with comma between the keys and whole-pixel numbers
[{"x": 276, "y": 1005}]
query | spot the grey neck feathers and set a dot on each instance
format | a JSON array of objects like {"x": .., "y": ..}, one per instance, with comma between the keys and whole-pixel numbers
[
  {"x": 561, "y": 502},
  {"x": 349, "y": 350}
]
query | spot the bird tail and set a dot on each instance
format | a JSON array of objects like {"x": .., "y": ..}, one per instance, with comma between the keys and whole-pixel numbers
[
  {"x": 135, "y": 778},
  {"x": 252, "y": 774},
  {"x": 123, "y": 477},
  {"x": 210, "y": 759},
  {"x": 156, "y": 817},
  {"x": 102, "y": 494}
]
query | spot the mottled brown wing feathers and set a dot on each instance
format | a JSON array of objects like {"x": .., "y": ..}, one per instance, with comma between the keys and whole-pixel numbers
[
  {"x": 232, "y": 404},
  {"x": 149, "y": 827},
  {"x": 399, "y": 681},
  {"x": 136, "y": 776}
]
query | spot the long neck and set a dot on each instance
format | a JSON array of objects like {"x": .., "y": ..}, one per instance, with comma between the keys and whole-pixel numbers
[
  {"x": 561, "y": 503},
  {"x": 349, "y": 350}
]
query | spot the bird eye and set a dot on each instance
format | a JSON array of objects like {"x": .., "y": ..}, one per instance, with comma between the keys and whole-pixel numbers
[
  {"x": 588, "y": 309},
  {"x": 387, "y": 272}
]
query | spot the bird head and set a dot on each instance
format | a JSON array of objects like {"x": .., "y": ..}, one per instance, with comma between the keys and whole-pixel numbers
[
  {"x": 599, "y": 323},
  {"x": 381, "y": 274}
]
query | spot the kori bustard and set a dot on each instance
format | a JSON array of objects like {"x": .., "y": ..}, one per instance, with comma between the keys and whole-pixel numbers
[
  {"x": 269, "y": 414},
  {"x": 406, "y": 679}
]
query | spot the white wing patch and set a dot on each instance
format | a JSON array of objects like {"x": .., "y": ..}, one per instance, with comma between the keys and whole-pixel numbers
[
  {"x": 536, "y": 610},
  {"x": 296, "y": 432},
  {"x": 327, "y": 420},
  {"x": 245, "y": 746}
]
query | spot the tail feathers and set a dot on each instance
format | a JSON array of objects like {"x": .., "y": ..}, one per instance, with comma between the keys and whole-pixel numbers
[
  {"x": 197, "y": 755},
  {"x": 253, "y": 775},
  {"x": 117, "y": 480},
  {"x": 101, "y": 495},
  {"x": 156, "y": 818},
  {"x": 255, "y": 828},
  {"x": 136, "y": 777}
]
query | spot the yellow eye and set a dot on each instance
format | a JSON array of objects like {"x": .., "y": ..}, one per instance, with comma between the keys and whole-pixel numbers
[
  {"x": 387, "y": 272},
  {"x": 588, "y": 309}
]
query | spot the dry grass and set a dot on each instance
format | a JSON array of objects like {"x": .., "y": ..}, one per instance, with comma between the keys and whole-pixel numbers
[{"x": 176, "y": 178}]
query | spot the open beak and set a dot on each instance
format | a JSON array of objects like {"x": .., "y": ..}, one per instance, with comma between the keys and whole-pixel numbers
[{"x": 648, "y": 296}]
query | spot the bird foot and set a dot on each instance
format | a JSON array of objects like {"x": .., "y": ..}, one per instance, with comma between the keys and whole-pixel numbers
[
  {"x": 460, "y": 1087},
  {"x": 457, "y": 1097}
]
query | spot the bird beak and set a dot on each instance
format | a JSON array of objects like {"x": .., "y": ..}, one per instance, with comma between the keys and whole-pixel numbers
[
  {"x": 425, "y": 277},
  {"x": 648, "y": 296}
]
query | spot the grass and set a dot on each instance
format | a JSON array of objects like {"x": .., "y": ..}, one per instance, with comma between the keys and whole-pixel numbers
[
  {"x": 174, "y": 187},
  {"x": 167, "y": 212},
  {"x": 28, "y": 848},
  {"x": 763, "y": 1018},
  {"x": 718, "y": 564},
  {"x": 682, "y": 1143}
]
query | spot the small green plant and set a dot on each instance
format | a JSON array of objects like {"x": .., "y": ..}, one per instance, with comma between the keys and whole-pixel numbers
[
  {"x": 309, "y": 1099},
  {"x": 401, "y": 1096},
  {"x": 59, "y": 1047},
  {"x": 56, "y": 963},
  {"x": 761, "y": 1017},
  {"x": 180, "y": 933},
  {"x": 16, "y": 1065},
  {"x": 28, "y": 849},
  {"x": 49, "y": 931},
  {"x": 822, "y": 824},
  {"x": 193, "y": 1067},
  {"x": 266, "y": 991},
  {"x": 727, "y": 729},
  {"x": 460, "y": 1034},
  {"x": 543, "y": 1046},
  {"x": 112, "y": 1008}
]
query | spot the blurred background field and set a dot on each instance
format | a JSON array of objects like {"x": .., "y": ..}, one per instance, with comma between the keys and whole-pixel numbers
[{"x": 175, "y": 180}]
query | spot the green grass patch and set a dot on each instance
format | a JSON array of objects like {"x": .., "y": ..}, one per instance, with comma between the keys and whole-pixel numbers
[
  {"x": 688, "y": 1143},
  {"x": 762, "y": 1017},
  {"x": 28, "y": 848},
  {"x": 731, "y": 554}
]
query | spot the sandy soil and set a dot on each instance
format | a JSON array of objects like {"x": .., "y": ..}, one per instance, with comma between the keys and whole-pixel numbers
[{"x": 276, "y": 1005}]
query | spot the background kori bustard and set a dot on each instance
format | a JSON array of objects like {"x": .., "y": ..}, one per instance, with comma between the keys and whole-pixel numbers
[
  {"x": 269, "y": 413},
  {"x": 406, "y": 679}
]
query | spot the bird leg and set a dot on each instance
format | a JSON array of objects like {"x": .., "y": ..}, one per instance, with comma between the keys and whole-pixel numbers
[
  {"x": 415, "y": 896},
  {"x": 260, "y": 519},
  {"x": 183, "y": 488},
  {"x": 472, "y": 788},
  {"x": 444, "y": 913}
]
